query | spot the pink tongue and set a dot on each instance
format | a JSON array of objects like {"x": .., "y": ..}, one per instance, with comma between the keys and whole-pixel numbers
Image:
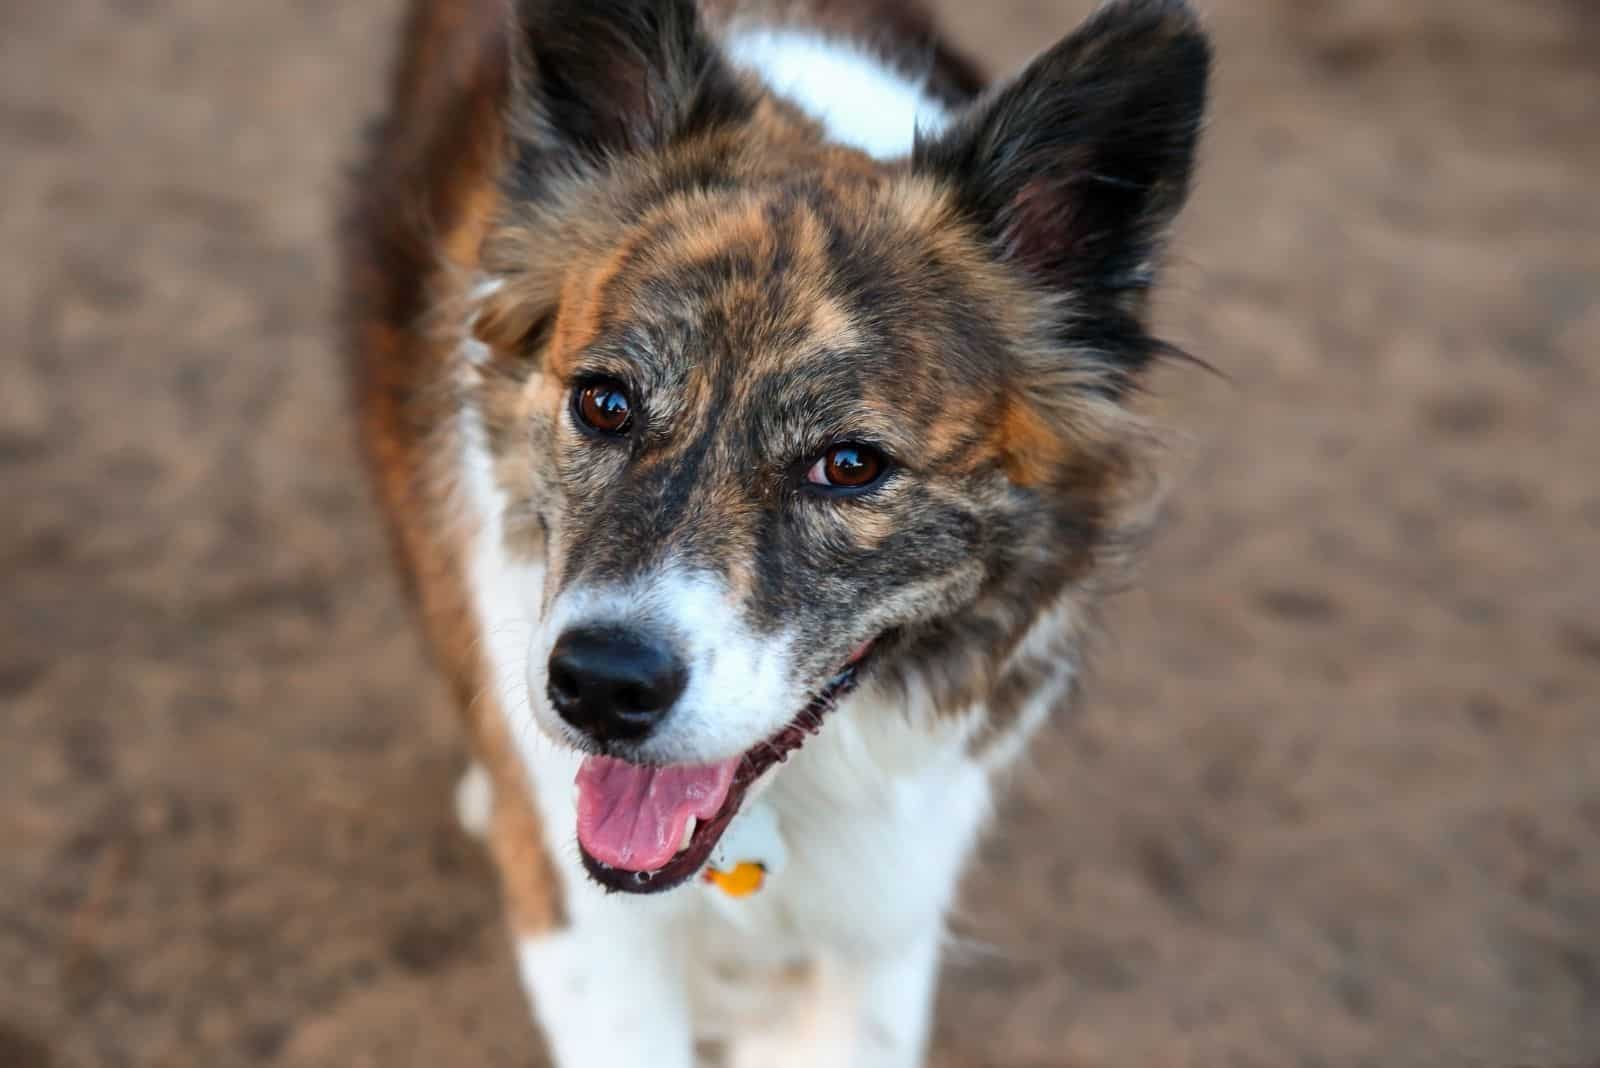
[{"x": 633, "y": 817}]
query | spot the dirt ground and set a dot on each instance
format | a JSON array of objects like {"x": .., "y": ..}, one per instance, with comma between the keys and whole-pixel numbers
[{"x": 1334, "y": 798}]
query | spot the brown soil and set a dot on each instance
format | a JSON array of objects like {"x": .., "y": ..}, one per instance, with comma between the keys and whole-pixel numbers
[{"x": 1334, "y": 798}]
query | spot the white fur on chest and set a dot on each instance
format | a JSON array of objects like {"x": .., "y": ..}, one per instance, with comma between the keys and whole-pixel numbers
[{"x": 878, "y": 813}]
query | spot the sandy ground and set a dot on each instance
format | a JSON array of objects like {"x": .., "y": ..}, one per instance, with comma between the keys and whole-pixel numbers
[{"x": 1335, "y": 796}]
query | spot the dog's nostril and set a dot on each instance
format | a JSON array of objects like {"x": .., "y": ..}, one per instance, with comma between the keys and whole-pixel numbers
[
  {"x": 634, "y": 699},
  {"x": 564, "y": 687},
  {"x": 614, "y": 683}
]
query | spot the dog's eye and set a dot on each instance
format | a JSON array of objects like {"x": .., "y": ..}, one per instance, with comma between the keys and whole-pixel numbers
[
  {"x": 603, "y": 406},
  {"x": 848, "y": 467}
]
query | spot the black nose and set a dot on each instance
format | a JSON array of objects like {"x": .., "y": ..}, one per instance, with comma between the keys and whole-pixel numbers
[{"x": 613, "y": 684}]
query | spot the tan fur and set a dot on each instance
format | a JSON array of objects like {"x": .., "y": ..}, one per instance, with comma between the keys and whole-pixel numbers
[{"x": 449, "y": 92}]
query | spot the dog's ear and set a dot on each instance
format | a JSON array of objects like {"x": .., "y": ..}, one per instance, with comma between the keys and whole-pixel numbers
[
  {"x": 1075, "y": 170},
  {"x": 600, "y": 78}
]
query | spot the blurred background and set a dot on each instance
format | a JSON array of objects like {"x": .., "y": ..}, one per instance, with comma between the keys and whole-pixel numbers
[{"x": 1334, "y": 795}]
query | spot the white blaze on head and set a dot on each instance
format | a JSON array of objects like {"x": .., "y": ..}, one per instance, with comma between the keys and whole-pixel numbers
[
  {"x": 829, "y": 79},
  {"x": 739, "y": 689}
]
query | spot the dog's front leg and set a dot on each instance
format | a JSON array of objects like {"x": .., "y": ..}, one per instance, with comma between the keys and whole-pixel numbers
[
  {"x": 870, "y": 1012},
  {"x": 607, "y": 990}
]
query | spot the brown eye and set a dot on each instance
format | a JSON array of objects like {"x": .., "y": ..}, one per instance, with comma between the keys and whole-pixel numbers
[
  {"x": 603, "y": 406},
  {"x": 848, "y": 467}
]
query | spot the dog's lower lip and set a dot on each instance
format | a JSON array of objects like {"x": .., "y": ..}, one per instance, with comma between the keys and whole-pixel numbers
[{"x": 757, "y": 762}]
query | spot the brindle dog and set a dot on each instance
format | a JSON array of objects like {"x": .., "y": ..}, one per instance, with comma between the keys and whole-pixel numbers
[{"x": 737, "y": 377}]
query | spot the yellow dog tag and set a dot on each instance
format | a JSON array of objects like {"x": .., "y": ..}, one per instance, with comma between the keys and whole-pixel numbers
[
  {"x": 745, "y": 879},
  {"x": 751, "y": 852}
]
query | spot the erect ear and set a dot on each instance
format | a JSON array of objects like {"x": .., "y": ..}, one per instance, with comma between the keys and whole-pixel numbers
[
  {"x": 605, "y": 77},
  {"x": 1075, "y": 170}
]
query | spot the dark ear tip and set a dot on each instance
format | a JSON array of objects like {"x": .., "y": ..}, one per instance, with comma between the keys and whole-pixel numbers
[
  {"x": 1169, "y": 33},
  {"x": 1151, "y": 10},
  {"x": 1172, "y": 21}
]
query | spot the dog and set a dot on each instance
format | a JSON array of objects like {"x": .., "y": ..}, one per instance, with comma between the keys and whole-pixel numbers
[{"x": 748, "y": 389}]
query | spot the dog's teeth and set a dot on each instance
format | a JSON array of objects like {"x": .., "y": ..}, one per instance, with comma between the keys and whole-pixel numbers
[{"x": 688, "y": 833}]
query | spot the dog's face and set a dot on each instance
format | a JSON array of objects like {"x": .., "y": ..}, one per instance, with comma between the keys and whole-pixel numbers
[{"x": 775, "y": 413}]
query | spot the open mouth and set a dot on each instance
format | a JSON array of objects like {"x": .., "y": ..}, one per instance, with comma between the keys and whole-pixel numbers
[{"x": 642, "y": 830}]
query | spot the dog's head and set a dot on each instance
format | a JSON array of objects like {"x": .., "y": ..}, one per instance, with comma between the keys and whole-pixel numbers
[{"x": 774, "y": 412}]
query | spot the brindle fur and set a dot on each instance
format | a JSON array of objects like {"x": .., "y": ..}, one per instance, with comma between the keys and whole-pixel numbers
[{"x": 645, "y": 212}]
